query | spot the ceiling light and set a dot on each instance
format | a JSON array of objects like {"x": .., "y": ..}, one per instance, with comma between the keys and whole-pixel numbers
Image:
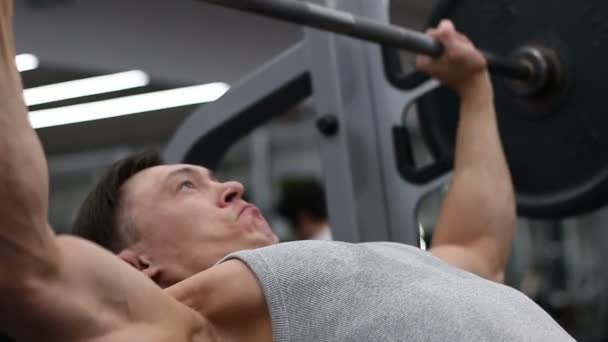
[
  {"x": 128, "y": 105},
  {"x": 26, "y": 62},
  {"x": 85, "y": 87}
]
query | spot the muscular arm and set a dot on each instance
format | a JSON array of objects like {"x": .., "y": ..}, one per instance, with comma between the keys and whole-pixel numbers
[
  {"x": 63, "y": 289},
  {"x": 477, "y": 220},
  {"x": 26, "y": 241}
]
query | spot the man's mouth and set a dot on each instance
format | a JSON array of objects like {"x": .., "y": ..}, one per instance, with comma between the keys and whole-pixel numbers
[{"x": 248, "y": 206}]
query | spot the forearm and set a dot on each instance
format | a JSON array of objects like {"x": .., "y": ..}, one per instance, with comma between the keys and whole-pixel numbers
[
  {"x": 479, "y": 210},
  {"x": 25, "y": 238}
]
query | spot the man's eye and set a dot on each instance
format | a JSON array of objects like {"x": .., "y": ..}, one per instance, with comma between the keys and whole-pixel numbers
[{"x": 186, "y": 184}]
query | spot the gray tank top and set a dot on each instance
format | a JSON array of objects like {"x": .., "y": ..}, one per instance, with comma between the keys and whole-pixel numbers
[{"x": 320, "y": 291}]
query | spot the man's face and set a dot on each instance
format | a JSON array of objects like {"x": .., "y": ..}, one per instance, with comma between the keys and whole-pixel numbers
[{"x": 188, "y": 220}]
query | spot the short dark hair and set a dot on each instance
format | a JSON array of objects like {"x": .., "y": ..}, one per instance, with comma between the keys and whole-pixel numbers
[
  {"x": 100, "y": 218},
  {"x": 302, "y": 195}
]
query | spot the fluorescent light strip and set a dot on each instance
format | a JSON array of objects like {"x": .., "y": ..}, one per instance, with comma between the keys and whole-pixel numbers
[
  {"x": 128, "y": 105},
  {"x": 85, "y": 87},
  {"x": 26, "y": 62}
]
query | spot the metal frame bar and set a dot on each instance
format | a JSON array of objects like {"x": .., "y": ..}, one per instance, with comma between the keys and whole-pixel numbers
[
  {"x": 272, "y": 89},
  {"x": 368, "y": 200}
]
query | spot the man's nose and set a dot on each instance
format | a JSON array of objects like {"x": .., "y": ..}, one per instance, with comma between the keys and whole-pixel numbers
[{"x": 231, "y": 191}]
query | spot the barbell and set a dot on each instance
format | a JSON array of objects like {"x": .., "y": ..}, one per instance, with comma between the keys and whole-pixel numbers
[
  {"x": 550, "y": 59},
  {"x": 529, "y": 65}
]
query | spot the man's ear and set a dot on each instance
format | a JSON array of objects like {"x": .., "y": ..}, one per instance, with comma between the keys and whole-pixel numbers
[
  {"x": 151, "y": 271},
  {"x": 141, "y": 263},
  {"x": 132, "y": 258}
]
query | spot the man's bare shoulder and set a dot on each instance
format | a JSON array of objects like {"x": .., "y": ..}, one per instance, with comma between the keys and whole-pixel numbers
[
  {"x": 158, "y": 333},
  {"x": 98, "y": 297}
]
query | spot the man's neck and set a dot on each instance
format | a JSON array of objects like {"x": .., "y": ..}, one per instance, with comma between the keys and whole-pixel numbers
[{"x": 229, "y": 296}]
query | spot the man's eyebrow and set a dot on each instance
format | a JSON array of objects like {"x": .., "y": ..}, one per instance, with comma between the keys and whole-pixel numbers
[
  {"x": 181, "y": 171},
  {"x": 188, "y": 170}
]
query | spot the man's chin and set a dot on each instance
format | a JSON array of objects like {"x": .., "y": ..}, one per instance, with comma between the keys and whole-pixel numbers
[
  {"x": 271, "y": 238},
  {"x": 267, "y": 238},
  {"x": 274, "y": 240}
]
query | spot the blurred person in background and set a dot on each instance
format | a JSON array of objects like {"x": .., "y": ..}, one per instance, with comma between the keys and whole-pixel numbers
[{"x": 303, "y": 205}]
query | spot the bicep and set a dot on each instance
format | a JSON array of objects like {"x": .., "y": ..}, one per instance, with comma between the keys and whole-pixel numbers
[
  {"x": 27, "y": 249},
  {"x": 466, "y": 258}
]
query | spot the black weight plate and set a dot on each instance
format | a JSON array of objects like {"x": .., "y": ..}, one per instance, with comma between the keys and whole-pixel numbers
[{"x": 557, "y": 149}]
